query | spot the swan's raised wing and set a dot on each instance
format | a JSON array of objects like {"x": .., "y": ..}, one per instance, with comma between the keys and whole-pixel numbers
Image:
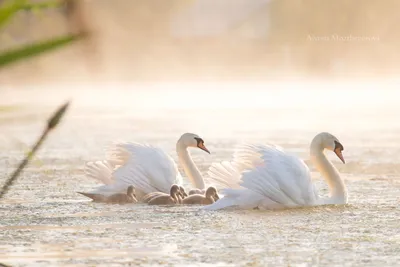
[
  {"x": 277, "y": 179},
  {"x": 227, "y": 174},
  {"x": 281, "y": 177},
  {"x": 223, "y": 175},
  {"x": 146, "y": 167}
]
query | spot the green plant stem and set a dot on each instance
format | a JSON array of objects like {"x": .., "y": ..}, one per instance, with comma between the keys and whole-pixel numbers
[
  {"x": 51, "y": 124},
  {"x": 14, "y": 55},
  {"x": 16, "y": 173}
]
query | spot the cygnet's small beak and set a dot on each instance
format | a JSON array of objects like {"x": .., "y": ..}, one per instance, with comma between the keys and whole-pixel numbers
[
  {"x": 203, "y": 147},
  {"x": 338, "y": 153},
  {"x": 216, "y": 197}
]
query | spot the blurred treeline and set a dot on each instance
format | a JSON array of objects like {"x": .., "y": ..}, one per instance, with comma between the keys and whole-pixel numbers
[{"x": 133, "y": 42}]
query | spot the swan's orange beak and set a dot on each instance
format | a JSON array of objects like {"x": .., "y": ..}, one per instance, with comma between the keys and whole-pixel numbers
[
  {"x": 203, "y": 147},
  {"x": 338, "y": 153}
]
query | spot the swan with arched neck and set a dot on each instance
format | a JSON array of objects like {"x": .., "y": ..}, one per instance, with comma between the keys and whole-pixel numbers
[
  {"x": 267, "y": 177},
  {"x": 146, "y": 167}
]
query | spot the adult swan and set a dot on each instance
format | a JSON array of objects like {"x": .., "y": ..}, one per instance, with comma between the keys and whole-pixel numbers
[
  {"x": 146, "y": 167},
  {"x": 269, "y": 178}
]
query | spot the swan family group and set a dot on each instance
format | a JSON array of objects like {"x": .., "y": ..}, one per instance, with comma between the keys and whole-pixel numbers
[{"x": 258, "y": 176}]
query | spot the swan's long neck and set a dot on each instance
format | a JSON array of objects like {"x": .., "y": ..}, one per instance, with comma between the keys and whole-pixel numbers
[
  {"x": 189, "y": 167},
  {"x": 337, "y": 188}
]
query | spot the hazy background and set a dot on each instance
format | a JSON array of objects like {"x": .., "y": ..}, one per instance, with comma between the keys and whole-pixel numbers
[
  {"x": 231, "y": 71},
  {"x": 186, "y": 40}
]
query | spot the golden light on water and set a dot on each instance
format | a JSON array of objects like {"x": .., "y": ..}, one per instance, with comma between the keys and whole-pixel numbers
[{"x": 231, "y": 71}]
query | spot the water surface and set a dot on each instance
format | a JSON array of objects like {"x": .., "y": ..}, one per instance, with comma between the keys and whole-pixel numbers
[{"x": 45, "y": 223}]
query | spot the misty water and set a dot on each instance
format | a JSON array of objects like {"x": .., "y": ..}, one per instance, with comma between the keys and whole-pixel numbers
[{"x": 44, "y": 222}]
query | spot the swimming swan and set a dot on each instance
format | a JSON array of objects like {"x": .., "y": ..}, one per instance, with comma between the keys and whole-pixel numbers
[
  {"x": 119, "y": 198},
  {"x": 270, "y": 178},
  {"x": 146, "y": 167},
  {"x": 210, "y": 197},
  {"x": 180, "y": 195},
  {"x": 171, "y": 199}
]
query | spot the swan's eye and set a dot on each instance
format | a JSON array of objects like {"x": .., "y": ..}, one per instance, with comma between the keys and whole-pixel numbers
[
  {"x": 338, "y": 146},
  {"x": 199, "y": 141},
  {"x": 200, "y": 144}
]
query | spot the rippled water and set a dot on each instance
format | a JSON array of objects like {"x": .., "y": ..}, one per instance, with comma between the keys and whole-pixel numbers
[{"x": 45, "y": 223}]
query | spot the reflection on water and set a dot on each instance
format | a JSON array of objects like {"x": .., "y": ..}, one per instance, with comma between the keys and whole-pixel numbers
[{"x": 44, "y": 220}]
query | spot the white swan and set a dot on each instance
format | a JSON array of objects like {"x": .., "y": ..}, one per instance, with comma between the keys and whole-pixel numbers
[
  {"x": 270, "y": 178},
  {"x": 146, "y": 167}
]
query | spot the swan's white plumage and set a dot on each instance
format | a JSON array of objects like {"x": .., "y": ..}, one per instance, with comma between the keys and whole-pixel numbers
[
  {"x": 146, "y": 167},
  {"x": 117, "y": 154},
  {"x": 269, "y": 177},
  {"x": 223, "y": 175},
  {"x": 228, "y": 174},
  {"x": 100, "y": 170}
]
